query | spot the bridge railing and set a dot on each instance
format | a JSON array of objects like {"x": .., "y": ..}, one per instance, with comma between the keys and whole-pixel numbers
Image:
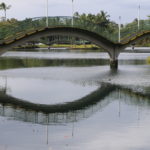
[
  {"x": 11, "y": 31},
  {"x": 21, "y": 28}
]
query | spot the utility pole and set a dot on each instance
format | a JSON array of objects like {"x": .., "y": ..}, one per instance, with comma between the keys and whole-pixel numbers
[
  {"x": 119, "y": 28},
  {"x": 72, "y": 12},
  {"x": 46, "y": 13},
  {"x": 139, "y": 9}
]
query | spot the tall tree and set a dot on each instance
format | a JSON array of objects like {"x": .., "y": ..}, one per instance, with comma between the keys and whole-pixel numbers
[{"x": 4, "y": 7}]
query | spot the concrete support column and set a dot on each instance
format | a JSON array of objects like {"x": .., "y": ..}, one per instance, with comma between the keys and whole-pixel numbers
[
  {"x": 114, "y": 64},
  {"x": 114, "y": 53}
]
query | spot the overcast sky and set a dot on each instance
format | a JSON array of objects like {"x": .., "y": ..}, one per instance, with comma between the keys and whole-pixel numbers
[{"x": 127, "y": 9}]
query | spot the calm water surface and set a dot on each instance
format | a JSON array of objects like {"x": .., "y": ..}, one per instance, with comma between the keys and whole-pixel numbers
[{"x": 59, "y": 100}]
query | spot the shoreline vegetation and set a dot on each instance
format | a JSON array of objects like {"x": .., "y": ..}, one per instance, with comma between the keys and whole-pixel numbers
[
  {"x": 63, "y": 46},
  {"x": 74, "y": 47}
]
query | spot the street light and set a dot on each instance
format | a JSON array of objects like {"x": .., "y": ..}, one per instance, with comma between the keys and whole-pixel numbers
[
  {"x": 47, "y": 13},
  {"x": 72, "y": 13},
  {"x": 119, "y": 28}
]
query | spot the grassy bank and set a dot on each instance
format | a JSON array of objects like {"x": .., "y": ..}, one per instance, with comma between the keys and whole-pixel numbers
[
  {"x": 86, "y": 46},
  {"x": 69, "y": 46}
]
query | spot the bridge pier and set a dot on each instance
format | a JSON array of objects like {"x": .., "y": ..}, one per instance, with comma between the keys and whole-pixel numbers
[
  {"x": 113, "y": 64},
  {"x": 114, "y": 53}
]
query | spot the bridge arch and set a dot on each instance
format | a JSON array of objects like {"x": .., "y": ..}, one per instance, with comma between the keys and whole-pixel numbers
[
  {"x": 112, "y": 48},
  {"x": 51, "y": 31}
]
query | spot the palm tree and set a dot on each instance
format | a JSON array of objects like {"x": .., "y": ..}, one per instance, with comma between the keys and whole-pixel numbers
[
  {"x": 102, "y": 19},
  {"x": 4, "y": 7}
]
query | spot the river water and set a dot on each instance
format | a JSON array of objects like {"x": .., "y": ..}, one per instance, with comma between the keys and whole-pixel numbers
[{"x": 71, "y": 100}]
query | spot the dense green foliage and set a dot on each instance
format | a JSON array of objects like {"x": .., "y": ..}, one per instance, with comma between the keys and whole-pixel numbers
[{"x": 101, "y": 19}]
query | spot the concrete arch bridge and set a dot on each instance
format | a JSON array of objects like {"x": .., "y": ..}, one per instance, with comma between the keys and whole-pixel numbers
[{"x": 35, "y": 29}]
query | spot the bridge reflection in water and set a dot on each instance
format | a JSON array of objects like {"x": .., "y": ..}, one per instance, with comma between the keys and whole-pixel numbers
[{"x": 16, "y": 109}]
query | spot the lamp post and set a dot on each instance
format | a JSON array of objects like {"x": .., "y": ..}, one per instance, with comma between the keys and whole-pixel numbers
[
  {"x": 119, "y": 28},
  {"x": 72, "y": 12},
  {"x": 139, "y": 8},
  {"x": 47, "y": 13}
]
